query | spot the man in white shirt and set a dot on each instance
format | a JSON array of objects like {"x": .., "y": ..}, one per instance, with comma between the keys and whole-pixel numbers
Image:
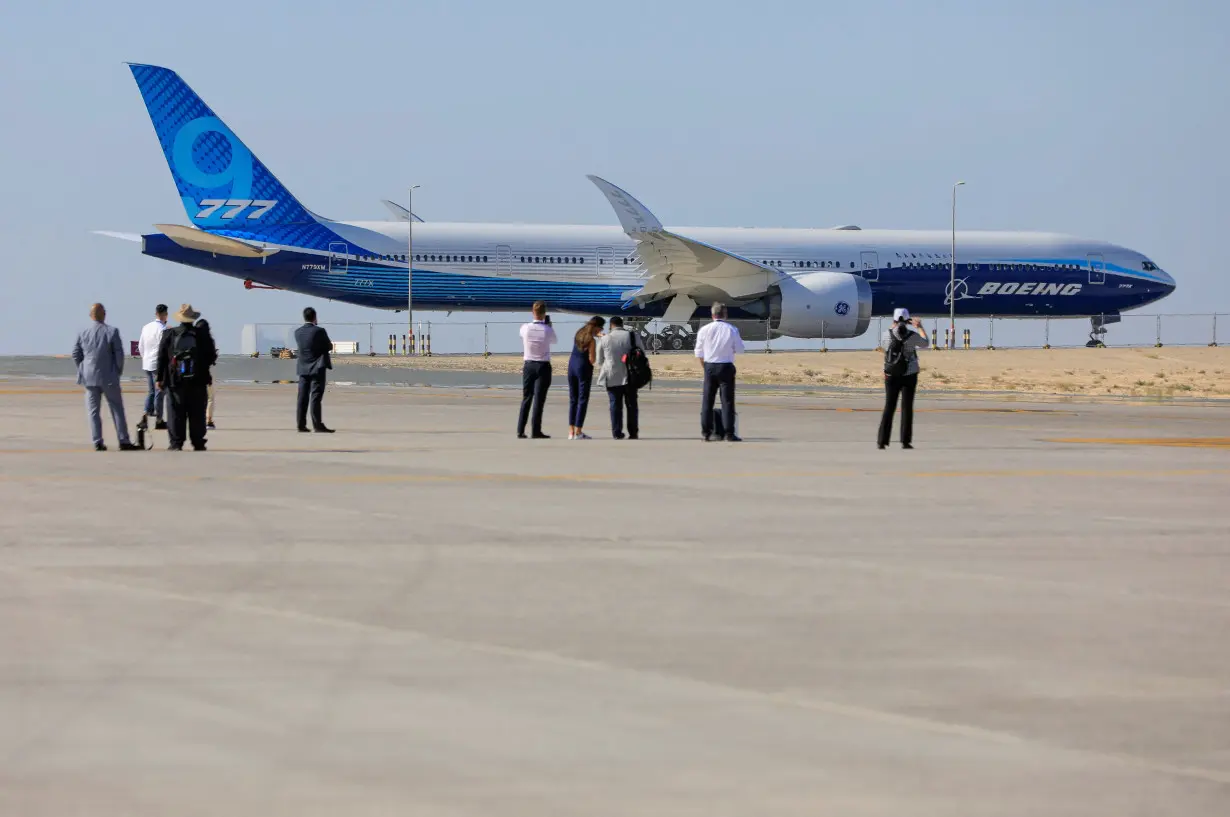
[
  {"x": 147, "y": 347},
  {"x": 717, "y": 343},
  {"x": 537, "y": 337}
]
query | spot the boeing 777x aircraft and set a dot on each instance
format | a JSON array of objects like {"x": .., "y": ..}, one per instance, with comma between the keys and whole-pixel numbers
[{"x": 804, "y": 283}]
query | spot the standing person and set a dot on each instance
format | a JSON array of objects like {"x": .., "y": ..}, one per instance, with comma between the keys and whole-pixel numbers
[
  {"x": 717, "y": 343},
  {"x": 147, "y": 347},
  {"x": 612, "y": 368},
  {"x": 203, "y": 326},
  {"x": 315, "y": 360},
  {"x": 581, "y": 375},
  {"x": 901, "y": 343},
  {"x": 537, "y": 337},
  {"x": 99, "y": 355},
  {"x": 184, "y": 357}
]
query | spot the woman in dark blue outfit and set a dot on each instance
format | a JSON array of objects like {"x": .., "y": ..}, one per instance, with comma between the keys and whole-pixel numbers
[{"x": 581, "y": 375}]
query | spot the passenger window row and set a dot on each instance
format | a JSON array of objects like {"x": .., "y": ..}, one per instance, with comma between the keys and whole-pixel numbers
[{"x": 552, "y": 259}]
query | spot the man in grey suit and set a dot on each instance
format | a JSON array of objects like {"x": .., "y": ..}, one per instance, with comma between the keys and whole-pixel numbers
[
  {"x": 99, "y": 355},
  {"x": 314, "y": 361},
  {"x": 613, "y": 373}
]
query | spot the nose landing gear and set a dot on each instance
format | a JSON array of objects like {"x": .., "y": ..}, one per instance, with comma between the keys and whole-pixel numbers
[{"x": 1097, "y": 334}]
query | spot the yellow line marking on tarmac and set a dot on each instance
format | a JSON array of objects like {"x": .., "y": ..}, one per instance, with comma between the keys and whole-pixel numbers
[
  {"x": 822, "y": 706},
  {"x": 1177, "y": 442},
  {"x": 41, "y": 391}
]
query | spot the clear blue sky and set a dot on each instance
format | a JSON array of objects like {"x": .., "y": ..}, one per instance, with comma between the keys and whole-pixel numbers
[{"x": 1101, "y": 119}]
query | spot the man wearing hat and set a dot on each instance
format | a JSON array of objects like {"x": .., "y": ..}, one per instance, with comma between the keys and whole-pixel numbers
[
  {"x": 184, "y": 357},
  {"x": 901, "y": 344}
]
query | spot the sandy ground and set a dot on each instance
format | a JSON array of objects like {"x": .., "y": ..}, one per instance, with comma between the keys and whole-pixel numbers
[{"x": 1164, "y": 372}]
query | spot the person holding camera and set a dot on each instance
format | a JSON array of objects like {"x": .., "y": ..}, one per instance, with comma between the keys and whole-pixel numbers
[
  {"x": 901, "y": 344},
  {"x": 537, "y": 338}
]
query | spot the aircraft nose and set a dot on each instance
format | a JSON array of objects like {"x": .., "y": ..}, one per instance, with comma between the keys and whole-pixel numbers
[{"x": 1168, "y": 283}]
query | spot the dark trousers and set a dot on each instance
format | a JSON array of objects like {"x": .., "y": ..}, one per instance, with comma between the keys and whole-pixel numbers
[
  {"x": 155, "y": 398},
  {"x": 620, "y": 396},
  {"x": 903, "y": 385},
  {"x": 579, "y": 384},
  {"x": 535, "y": 380},
  {"x": 719, "y": 377},
  {"x": 186, "y": 415},
  {"x": 311, "y": 391}
]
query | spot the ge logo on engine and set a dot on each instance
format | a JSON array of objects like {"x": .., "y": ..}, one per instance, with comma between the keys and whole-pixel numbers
[{"x": 842, "y": 308}]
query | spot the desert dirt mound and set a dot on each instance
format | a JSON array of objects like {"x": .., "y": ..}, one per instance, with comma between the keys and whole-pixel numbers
[{"x": 1151, "y": 372}]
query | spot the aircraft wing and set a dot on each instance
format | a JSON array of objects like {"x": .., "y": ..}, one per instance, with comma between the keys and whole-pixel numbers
[
  {"x": 679, "y": 265},
  {"x": 399, "y": 212}
]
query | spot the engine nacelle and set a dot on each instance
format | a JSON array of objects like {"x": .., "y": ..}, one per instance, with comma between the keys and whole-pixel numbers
[{"x": 822, "y": 304}]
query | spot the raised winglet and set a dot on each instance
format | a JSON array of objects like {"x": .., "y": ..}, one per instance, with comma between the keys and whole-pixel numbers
[
  {"x": 633, "y": 216},
  {"x": 399, "y": 212}
]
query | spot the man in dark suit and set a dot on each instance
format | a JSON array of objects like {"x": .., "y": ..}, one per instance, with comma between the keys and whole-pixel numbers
[{"x": 314, "y": 360}]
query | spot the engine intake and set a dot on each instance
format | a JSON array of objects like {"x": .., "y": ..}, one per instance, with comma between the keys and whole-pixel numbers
[{"x": 821, "y": 304}]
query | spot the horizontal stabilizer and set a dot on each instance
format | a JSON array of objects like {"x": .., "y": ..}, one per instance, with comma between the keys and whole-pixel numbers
[
  {"x": 193, "y": 239},
  {"x": 125, "y": 236}
]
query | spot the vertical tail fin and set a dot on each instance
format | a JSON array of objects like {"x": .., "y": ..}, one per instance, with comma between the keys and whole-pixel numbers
[{"x": 220, "y": 182}]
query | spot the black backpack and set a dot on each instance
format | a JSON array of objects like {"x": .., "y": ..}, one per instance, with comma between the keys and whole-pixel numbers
[
  {"x": 896, "y": 357},
  {"x": 639, "y": 373},
  {"x": 183, "y": 357}
]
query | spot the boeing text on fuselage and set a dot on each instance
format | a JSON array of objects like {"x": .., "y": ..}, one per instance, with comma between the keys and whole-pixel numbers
[{"x": 242, "y": 222}]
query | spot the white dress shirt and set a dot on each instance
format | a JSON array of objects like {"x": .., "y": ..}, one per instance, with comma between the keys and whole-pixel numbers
[
  {"x": 147, "y": 346},
  {"x": 718, "y": 342},
  {"x": 537, "y": 337}
]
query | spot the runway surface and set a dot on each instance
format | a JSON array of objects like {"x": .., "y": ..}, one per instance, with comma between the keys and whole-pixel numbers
[{"x": 421, "y": 614}]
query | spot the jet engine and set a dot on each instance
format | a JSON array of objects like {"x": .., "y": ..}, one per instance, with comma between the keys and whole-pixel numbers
[{"x": 821, "y": 304}]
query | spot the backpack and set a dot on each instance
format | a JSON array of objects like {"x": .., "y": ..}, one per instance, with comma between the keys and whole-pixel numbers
[
  {"x": 896, "y": 357},
  {"x": 183, "y": 357},
  {"x": 639, "y": 373}
]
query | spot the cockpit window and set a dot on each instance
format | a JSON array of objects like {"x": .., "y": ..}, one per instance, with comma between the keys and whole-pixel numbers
[{"x": 1149, "y": 266}]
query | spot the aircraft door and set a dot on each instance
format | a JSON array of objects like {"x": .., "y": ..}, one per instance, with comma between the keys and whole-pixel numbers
[
  {"x": 606, "y": 261},
  {"x": 339, "y": 258},
  {"x": 870, "y": 265},
  {"x": 503, "y": 259},
  {"x": 1097, "y": 269}
]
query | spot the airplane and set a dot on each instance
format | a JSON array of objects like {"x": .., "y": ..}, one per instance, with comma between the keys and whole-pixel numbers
[{"x": 802, "y": 283}]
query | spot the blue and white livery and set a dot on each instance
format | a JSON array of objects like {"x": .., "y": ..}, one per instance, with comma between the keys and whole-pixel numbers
[{"x": 807, "y": 283}]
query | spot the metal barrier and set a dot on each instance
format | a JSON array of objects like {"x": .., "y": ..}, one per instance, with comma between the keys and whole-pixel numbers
[{"x": 466, "y": 336}]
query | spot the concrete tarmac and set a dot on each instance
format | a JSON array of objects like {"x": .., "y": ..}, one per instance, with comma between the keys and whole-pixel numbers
[{"x": 421, "y": 614}]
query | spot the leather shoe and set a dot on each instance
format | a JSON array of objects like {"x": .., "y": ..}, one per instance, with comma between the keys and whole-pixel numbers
[
  {"x": 541, "y": 436},
  {"x": 99, "y": 447},
  {"x": 323, "y": 430},
  {"x": 731, "y": 438},
  {"x": 907, "y": 446},
  {"x": 161, "y": 425},
  {"x": 707, "y": 437},
  {"x": 521, "y": 437},
  {"x": 304, "y": 430},
  {"x": 129, "y": 447}
]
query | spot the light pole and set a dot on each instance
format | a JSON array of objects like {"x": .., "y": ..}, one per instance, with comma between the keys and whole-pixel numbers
[
  {"x": 410, "y": 271},
  {"x": 952, "y": 276}
]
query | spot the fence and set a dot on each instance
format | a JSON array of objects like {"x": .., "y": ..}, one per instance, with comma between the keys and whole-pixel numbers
[{"x": 437, "y": 335}]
